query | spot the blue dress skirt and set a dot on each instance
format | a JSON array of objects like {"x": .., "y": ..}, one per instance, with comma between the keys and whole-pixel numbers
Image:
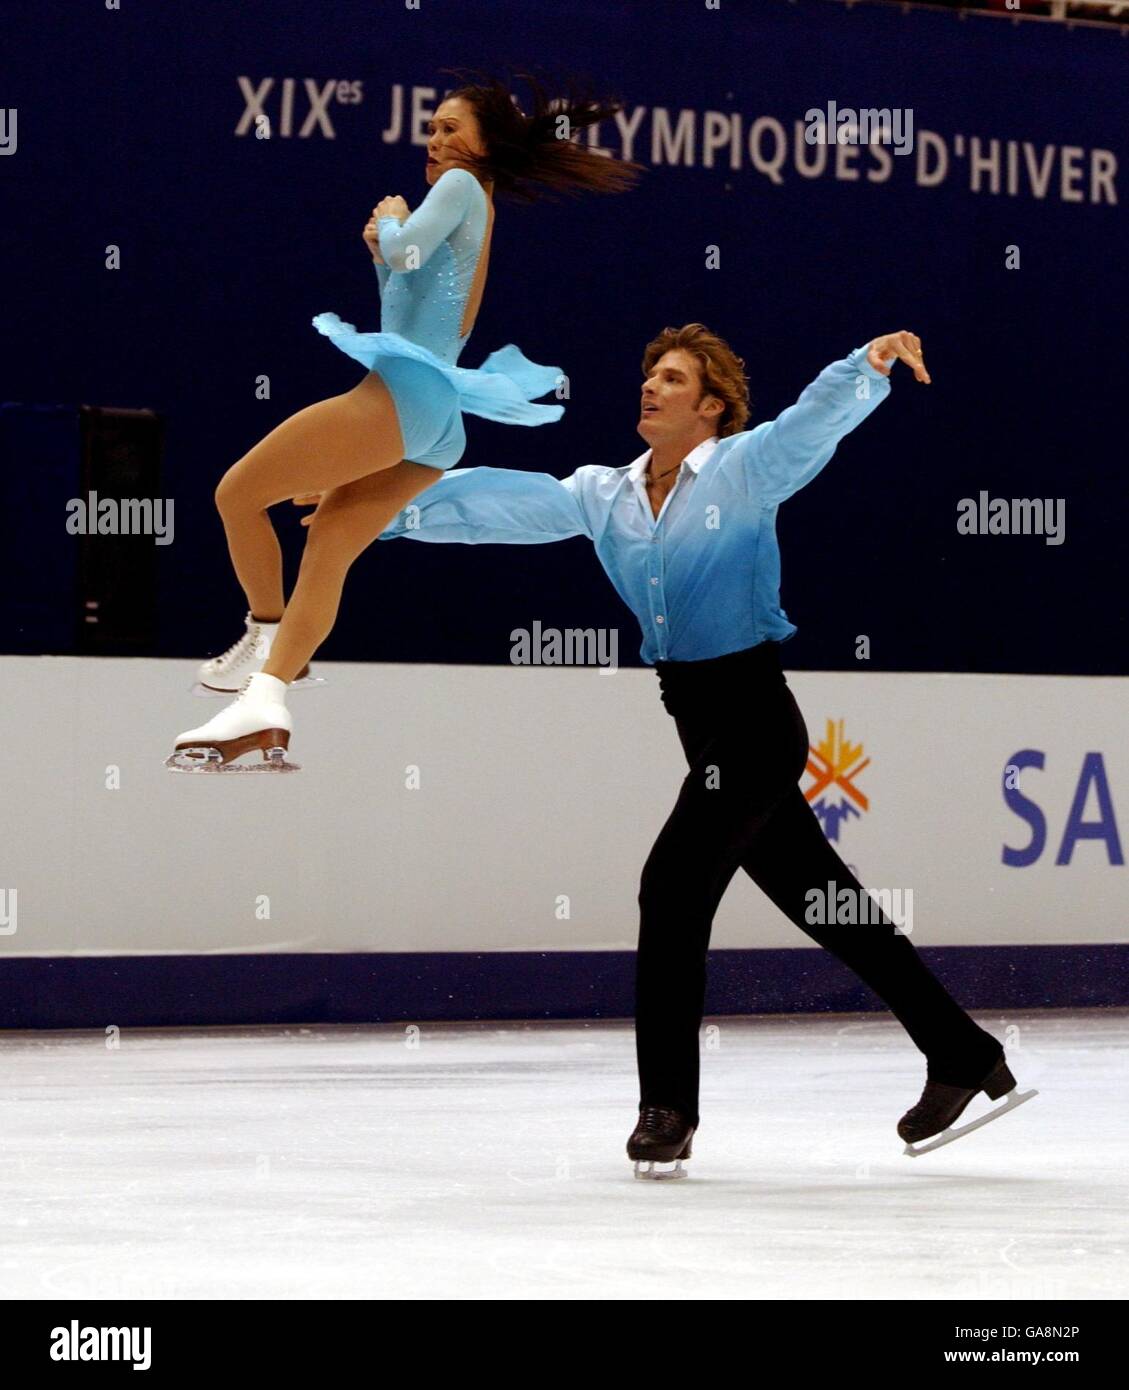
[{"x": 431, "y": 395}]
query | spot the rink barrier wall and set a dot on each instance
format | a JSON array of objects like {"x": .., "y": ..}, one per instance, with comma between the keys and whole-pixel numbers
[
  {"x": 466, "y": 842},
  {"x": 179, "y": 991}
]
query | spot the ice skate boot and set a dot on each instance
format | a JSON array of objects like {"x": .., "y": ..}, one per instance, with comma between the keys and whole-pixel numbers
[
  {"x": 225, "y": 674},
  {"x": 940, "y": 1105},
  {"x": 661, "y": 1136},
  {"x": 257, "y": 720}
]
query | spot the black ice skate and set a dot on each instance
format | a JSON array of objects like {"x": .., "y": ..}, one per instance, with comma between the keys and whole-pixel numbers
[
  {"x": 661, "y": 1136},
  {"x": 940, "y": 1105}
]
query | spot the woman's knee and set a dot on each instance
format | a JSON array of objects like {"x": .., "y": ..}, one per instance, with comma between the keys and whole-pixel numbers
[
  {"x": 226, "y": 492},
  {"x": 236, "y": 491}
]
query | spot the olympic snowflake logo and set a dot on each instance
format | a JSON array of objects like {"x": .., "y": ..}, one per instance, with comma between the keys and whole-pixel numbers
[{"x": 834, "y": 764}]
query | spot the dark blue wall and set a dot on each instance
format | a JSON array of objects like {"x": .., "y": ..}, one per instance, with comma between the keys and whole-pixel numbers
[{"x": 230, "y": 245}]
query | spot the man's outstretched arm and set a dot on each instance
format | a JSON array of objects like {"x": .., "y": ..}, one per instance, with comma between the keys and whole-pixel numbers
[
  {"x": 784, "y": 454},
  {"x": 505, "y": 506}
]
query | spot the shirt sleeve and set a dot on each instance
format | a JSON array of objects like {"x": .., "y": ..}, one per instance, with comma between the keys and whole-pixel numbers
[
  {"x": 780, "y": 456},
  {"x": 505, "y": 506},
  {"x": 435, "y": 219},
  {"x": 382, "y": 274}
]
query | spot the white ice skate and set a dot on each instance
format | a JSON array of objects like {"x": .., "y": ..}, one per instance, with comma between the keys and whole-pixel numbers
[
  {"x": 225, "y": 674},
  {"x": 256, "y": 721}
]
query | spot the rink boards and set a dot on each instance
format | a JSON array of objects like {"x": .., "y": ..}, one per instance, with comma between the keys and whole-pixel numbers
[{"x": 466, "y": 842}]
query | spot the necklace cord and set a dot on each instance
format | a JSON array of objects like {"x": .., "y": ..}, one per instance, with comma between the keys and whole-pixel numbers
[{"x": 654, "y": 477}]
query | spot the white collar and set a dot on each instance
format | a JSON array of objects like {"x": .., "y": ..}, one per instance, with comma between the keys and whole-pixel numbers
[{"x": 695, "y": 458}]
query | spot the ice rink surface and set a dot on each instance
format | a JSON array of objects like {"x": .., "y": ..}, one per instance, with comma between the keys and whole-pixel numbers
[{"x": 487, "y": 1160}]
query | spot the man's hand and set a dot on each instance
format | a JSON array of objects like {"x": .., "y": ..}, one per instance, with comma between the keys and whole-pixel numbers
[{"x": 905, "y": 345}]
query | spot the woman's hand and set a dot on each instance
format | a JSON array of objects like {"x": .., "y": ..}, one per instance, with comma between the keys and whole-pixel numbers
[
  {"x": 387, "y": 207},
  {"x": 308, "y": 499},
  {"x": 372, "y": 238},
  {"x": 392, "y": 207},
  {"x": 905, "y": 345}
]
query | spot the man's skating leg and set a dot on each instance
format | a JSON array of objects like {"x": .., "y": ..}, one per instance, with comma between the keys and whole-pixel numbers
[
  {"x": 791, "y": 856},
  {"x": 734, "y": 782}
]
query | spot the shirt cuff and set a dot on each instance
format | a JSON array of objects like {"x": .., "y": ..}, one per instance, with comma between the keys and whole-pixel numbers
[{"x": 863, "y": 365}]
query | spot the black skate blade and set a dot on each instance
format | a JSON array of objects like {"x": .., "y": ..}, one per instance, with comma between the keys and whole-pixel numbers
[
  {"x": 648, "y": 1169},
  {"x": 1013, "y": 1101}
]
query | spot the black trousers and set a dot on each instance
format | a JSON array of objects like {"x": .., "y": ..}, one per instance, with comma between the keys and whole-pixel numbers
[{"x": 741, "y": 806}]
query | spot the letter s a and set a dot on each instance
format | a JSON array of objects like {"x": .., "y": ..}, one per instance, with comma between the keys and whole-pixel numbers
[{"x": 1026, "y": 810}]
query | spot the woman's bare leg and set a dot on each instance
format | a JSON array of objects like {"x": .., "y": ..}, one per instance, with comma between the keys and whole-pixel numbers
[
  {"x": 348, "y": 519},
  {"x": 321, "y": 447}
]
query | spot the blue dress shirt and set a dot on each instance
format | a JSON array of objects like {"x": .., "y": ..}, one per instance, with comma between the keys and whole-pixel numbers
[{"x": 703, "y": 577}]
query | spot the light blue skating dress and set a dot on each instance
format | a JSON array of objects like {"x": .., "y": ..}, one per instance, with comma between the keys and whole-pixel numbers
[{"x": 425, "y": 283}]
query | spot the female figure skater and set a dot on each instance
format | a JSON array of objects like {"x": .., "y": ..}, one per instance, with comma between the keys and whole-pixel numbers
[{"x": 368, "y": 452}]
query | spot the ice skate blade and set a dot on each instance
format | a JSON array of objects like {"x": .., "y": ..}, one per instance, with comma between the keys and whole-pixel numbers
[
  {"x": 211, "y": 760},
  {"x": 645, "y": 1169},
  {"x": 1015, "y": 1099},
  {"x": 209, "y": 692}
]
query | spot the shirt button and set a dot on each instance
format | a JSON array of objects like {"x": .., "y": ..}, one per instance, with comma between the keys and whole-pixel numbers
[
  {"x": 654, "y": 581},
  {"x": 658, "y": 618}
]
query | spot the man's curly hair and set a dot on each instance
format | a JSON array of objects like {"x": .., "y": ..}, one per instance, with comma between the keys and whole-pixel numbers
[{"x": 722, "y": 371}]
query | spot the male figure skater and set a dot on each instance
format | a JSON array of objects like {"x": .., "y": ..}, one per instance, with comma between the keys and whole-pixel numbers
[{"x": 686, "y": 534}]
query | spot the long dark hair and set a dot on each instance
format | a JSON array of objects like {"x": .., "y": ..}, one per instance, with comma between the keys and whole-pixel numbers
[{"x": 527, "y": 156}]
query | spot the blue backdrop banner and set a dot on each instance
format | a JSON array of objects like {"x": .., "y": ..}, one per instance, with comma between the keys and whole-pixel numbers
[{"x": 162, "y": 254}]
